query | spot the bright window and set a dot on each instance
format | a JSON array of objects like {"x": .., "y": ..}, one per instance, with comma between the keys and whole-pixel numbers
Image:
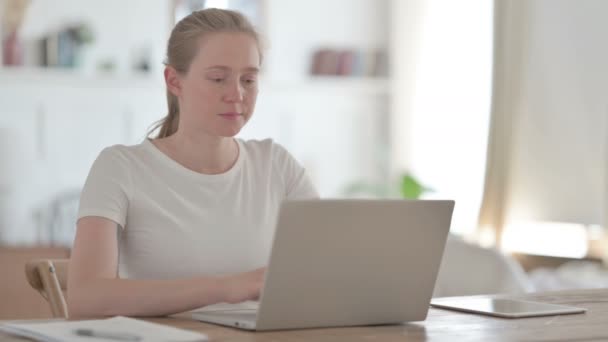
[{"x": 451, "y": 105}]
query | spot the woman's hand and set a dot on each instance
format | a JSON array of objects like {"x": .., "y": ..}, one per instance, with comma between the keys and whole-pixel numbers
[{"x": 243, "y": 286}]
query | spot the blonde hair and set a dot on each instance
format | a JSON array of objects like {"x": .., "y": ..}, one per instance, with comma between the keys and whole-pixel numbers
[{"x": 183, "y": 45}]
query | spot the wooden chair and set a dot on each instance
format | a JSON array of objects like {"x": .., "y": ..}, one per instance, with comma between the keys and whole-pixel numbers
[{"x": 49, "y": 277}]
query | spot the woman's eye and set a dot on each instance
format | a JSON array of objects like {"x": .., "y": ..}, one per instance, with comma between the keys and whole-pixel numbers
[{"x": 217, "y": 80}]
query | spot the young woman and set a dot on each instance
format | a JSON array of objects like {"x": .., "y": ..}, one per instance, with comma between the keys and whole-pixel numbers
[{"x": 186, "y": 219}]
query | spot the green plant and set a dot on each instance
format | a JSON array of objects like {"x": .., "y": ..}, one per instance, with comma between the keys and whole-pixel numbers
[{"x": 411, "y": 188}]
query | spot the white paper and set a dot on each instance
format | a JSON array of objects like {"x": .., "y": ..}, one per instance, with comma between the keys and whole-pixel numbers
[{"x": 65, "y": 330}]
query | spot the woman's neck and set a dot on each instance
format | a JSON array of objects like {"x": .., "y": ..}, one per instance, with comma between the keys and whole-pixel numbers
[{"x": 202, "y": 153}]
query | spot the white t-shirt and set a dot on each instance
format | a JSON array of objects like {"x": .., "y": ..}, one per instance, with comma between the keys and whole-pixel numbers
[{"x": 178, "y": 223}]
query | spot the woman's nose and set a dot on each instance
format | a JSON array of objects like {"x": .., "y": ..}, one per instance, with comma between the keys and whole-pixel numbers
[{"x": 234, "y": 92}]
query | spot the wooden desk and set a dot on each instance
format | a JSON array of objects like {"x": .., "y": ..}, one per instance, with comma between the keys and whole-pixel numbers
[{"x": 443, "y": 325}]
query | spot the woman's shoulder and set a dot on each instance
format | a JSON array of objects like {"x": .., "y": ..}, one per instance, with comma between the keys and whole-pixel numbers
[
  {"x": 119, "y": 153},
  {"x": 264, "y": 150},
  {"x": 265, "y": 146},
  {"x": 271, "y": 152}
]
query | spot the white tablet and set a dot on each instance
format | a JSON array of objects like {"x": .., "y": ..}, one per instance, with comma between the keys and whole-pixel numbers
[{"x": 504, "y": 307}]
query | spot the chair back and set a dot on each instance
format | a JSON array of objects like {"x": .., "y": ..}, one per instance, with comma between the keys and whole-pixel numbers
[{"x": 49, "y": 277}]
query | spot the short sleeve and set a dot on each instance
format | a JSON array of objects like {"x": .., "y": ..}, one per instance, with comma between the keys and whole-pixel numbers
[
  {"x": 298, "y": 184},
  {"x": 107, "y": 189}
]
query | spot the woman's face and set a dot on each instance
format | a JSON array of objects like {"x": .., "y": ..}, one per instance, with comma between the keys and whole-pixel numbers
[{"x": 218, "y": 93}]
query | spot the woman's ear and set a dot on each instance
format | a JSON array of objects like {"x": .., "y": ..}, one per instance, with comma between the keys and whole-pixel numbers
[{"x": 173, "y": 81}]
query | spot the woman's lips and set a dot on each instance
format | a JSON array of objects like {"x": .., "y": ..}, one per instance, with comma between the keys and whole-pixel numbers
[{"x": 230, "y": 115}]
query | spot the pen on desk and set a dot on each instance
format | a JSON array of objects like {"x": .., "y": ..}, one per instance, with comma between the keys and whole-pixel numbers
[{"x": 107, "y": 335}]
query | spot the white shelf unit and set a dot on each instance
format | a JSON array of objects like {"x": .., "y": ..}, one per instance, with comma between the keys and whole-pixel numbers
[
  {"x": 63, "y": 76},
  {"x": 365, "y": 85}
]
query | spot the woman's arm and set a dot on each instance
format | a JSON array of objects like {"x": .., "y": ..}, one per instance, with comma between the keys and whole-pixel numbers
[{"x": 95, "y": 290}]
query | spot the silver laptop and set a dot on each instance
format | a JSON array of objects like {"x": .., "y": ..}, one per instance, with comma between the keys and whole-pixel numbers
[{"x": 346, "y": 263}]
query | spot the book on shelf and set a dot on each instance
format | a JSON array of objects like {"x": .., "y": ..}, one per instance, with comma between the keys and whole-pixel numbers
[{"x": 350, "y": 62}]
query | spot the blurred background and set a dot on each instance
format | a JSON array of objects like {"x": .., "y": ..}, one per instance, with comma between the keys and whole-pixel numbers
[
  {"x": 498, "y": 105},
  {"x": 336, "y": 90}
]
